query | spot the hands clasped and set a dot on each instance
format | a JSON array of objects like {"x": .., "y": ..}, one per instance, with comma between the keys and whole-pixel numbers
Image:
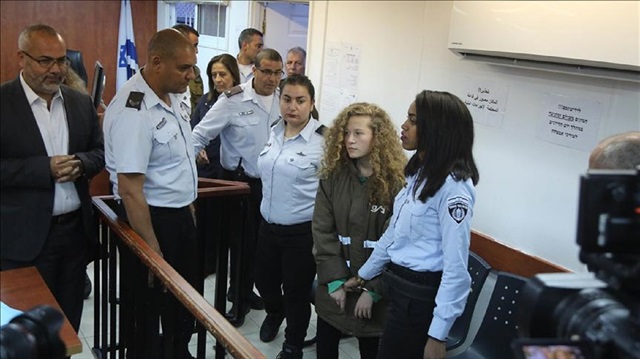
[{"x": 65, "y": 168}]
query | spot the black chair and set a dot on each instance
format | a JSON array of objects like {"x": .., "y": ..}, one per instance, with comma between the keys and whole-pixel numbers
[
  {"x": 479, "y": 270},
  {"x": 75, "y": 57},
  {"x": 499, "y": 327}
]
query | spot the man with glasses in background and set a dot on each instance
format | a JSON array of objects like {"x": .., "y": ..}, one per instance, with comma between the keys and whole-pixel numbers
[
  {"x": 51, "y": 146},
  {"x": 242, "y": 118}
]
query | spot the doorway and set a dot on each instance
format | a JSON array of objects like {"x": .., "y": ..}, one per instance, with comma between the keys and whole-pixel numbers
[{"x": 284, "y": 24}]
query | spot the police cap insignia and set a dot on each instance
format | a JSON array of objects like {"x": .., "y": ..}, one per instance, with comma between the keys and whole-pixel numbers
[
  {"x": 135, "y": 100},
  {"x": 458, "y": 208}
]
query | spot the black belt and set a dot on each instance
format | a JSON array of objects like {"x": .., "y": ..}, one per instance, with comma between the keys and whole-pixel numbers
[
  {"x": 423, "y": 278},
  {"x": 292, "y": 229},
  {"x": 167, "y": 209},
  {"x": 66, "y": 217},
  {"x": 233, "y": 176}
]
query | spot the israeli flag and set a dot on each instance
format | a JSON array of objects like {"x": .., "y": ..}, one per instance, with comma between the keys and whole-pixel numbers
[{"x": 127, "y": 55}]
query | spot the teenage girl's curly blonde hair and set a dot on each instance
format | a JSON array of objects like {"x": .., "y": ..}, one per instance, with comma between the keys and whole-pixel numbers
[{"x": 387, "y": 157}]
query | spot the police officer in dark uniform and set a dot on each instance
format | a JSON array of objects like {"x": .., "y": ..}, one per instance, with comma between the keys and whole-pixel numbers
[
  {"x": 151, "y": 164},
  {"x": 242, "y": 118}
]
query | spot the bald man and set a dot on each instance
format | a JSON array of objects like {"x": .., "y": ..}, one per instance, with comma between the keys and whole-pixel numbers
[
  {"x": 621, "y": 151},
  {"x": 51, "y": 148},
  {"x": 151, "y": 164}
]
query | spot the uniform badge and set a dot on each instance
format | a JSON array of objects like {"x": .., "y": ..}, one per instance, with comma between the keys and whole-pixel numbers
[
  {"x": 376, "y": 208},
  {"x": 244, "y": 113},
  {"x": 135, "y": 100},
  {"x": 458, "y": 208},
  {"x": 185, "y": 109},
  {"x": 161, "y": 123}
]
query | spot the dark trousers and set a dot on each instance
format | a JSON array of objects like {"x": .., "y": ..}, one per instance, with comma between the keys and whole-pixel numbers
[
  {"x": 62, "y": 264},
  {"x": 250, "y": 238},
  {"x": 410, "y": 311},
  {"x": 329, "y": 339},
  {"x": 284, "y": 262},
  {"x": 176, "y": 234}
]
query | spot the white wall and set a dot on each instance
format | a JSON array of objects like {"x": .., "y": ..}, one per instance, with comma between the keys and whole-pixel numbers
[{"x": 527, "y": 195}]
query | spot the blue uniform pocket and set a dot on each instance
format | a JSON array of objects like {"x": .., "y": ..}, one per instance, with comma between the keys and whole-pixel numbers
[{"x": 164, "y": 140}]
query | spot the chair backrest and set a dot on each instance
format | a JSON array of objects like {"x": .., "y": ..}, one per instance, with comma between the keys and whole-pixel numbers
[
  {"x": 499, "y": 325},
  {"x": 478, "y": 270},
  {"x": 75, "y": 57}
]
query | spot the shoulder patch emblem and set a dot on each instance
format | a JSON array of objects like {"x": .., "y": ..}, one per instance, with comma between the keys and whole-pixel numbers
[
  {"x": 135, "y": 100},
  {"x": 233, "y": 91},
  {"x": 320, "y": 130},
  {"x": 458, "y": 208}
]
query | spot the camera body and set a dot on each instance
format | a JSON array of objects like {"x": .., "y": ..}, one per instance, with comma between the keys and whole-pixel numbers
[
  {"x": 592, "y": 315},
  {"x": 34, "y": 334}
]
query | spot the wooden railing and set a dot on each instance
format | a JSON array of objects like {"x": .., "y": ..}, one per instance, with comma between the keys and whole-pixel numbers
[
  {"x": 108, "y": 283},
  {"x": 507, "y": 259}
]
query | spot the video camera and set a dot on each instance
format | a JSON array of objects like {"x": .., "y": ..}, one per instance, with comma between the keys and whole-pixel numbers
[
  {"x": 594, "y": 315},
  {"x": 34, "y": 334}
]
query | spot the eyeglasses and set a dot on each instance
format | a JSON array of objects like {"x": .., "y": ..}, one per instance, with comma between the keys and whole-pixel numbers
[
  {"x": 47, "y": 62},
  {"x": 270, "y": 73}
]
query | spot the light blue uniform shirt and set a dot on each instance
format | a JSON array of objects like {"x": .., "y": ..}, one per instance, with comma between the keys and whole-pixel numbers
[
  {"x": 432, "y": 236},
  {"x": 288, "y": 169},
  {"x": 155, "y": 141},
  {"x": 242, "y": 121}
]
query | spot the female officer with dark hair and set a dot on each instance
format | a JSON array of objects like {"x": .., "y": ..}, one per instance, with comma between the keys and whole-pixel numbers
[
  {"x": 288, "y": 169},
  {"x": 426, "y": 247}
]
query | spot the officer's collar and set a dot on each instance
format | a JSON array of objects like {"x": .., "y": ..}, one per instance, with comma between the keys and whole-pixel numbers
[
  {"x": 151, "y": 98},
  {"x": 306, "y": 132}
]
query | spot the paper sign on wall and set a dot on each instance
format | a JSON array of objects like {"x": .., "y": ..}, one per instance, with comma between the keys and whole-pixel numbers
[
  {"x": 487, "y": 102},
  {"x": 570, "y": 121},
  {"x": 341, "y": 70}
]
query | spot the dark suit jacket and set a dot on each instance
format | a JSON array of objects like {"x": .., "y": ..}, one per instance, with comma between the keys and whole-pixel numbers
[{"x": 26, "y": 199}]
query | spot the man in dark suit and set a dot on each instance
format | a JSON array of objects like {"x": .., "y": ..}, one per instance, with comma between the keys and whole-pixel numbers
[{"x": 51, "y": 146}]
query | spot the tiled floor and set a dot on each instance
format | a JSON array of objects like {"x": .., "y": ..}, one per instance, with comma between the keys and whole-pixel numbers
[{"x": 250, "y": 329}]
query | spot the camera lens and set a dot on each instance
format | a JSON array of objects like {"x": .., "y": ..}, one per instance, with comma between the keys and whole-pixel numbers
[{"x": 32, "y": 335}]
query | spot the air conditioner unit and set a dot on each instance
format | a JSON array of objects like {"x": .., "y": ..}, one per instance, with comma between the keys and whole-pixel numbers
[{"x": 594, "y": 38}]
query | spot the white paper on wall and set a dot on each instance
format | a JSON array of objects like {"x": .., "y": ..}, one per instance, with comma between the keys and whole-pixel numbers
[
  {"x": 487, "y": 101},
  {"x": 341, "y": 71},
  {"x": 570, "y": 121}
]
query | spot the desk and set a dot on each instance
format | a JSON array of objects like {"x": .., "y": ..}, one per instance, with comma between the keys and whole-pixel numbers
[{"x": 23, "y": 289}]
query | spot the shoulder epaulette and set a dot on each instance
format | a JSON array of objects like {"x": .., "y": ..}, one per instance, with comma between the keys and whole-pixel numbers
[
  {"x": 135, "y": 100},
  {"x": 275, "y": 122},
  {"x": 233, "y": 91},
  {"x": 320, "y": 130}
]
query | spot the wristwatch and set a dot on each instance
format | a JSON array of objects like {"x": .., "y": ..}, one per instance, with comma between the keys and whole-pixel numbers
[{"x": 361, "y": 282}]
